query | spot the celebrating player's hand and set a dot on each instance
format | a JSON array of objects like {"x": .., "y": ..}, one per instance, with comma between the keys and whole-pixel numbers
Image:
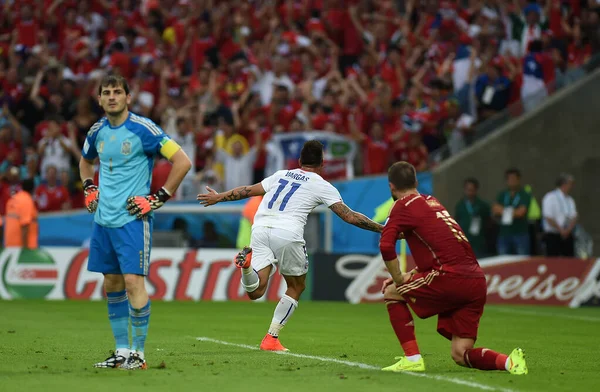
[
  {"x": 385, "y": 284},
  {"x": 90, "y": 192},
  {"x": 142, "y": 205},
  {"x": 210, "y": 198}
]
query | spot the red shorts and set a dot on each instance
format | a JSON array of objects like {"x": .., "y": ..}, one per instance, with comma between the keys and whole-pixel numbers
[{"x": 458, "y": 301}]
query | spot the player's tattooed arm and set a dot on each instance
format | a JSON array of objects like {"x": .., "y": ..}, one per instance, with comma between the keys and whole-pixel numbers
[
  {"x": 241, "y": 192},
  {"x": 355, "y": 218}
]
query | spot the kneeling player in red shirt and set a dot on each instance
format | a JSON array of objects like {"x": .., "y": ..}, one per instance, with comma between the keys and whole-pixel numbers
[{"x": 447, "y": 282}]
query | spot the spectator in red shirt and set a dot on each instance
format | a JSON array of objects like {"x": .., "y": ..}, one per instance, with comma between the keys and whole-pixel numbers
[
  {"x": 51, "y": 195},
  {"x": 413, "y": 151},
  {"x": 27, "y": 28},
  {"x": 69, "y": 32},
  {"x": 282, "y": 110},
  {"x": 198, "y": 42},
  {"x": 375, "y": 149}
]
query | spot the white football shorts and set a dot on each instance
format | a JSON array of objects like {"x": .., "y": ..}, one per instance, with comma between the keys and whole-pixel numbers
[{"x": 281, "y": 248}]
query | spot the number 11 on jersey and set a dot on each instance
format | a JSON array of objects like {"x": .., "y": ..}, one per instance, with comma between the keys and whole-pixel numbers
[{"x": 282, "y": 184}]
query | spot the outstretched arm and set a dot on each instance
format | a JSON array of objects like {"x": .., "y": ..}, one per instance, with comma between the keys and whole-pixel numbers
[
  {"x": 239, "y": 193},
  {"x": 355, "y": 218}
]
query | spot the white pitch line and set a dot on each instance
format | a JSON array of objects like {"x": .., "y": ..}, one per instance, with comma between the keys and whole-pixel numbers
[
  {"x": 545, "y": 314},
  {"x": 452, "y": 380}
]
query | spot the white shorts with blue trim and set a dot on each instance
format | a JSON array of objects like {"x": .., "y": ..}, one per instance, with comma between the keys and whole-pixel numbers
[{"x": 279, "y": 248}]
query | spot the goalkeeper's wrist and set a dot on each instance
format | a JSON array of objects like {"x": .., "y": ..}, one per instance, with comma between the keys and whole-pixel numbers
[
  {"x": 88, "y": 182},
  {"x": 163, "y": 194}
]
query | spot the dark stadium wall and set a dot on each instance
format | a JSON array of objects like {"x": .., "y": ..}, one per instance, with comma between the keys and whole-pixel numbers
[{"x": 563, "y": 135}]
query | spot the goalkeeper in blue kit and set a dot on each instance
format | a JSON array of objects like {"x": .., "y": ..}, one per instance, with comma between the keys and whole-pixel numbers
[{"x": 126, "y": 145}]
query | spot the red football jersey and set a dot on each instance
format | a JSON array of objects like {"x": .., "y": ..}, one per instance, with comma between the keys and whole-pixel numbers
[
  {"x": 51, "y": 198},
  {"x": 436, "y": 241}
]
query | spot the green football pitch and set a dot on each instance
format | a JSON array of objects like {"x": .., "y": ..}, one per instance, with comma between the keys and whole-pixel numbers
[{"x": 51, "y": 346}]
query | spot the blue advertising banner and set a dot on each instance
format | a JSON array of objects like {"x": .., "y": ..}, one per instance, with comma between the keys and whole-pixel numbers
[{"x": 364, "y": 195}]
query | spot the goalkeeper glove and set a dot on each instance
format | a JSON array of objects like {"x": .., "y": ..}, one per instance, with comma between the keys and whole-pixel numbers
[
  {"x": 90, "y": 191},
  {"x": 141, "y": 205}
]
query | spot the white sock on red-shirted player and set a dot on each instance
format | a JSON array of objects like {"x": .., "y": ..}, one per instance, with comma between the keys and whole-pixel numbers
[
  {"x": 284, "y": 310},
  {"x": 250, "y": 280}
]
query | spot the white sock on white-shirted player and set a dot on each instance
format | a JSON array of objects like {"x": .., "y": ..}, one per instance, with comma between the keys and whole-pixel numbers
[
  {"x": 250, "y": 280},
  {"x": 283, "y": 311}
]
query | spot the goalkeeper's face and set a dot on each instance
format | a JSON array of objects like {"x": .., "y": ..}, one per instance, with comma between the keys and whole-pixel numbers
[{"x": 114, "y": 100}]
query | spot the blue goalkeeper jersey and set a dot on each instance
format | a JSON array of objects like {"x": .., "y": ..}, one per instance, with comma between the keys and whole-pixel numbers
[{"x": 126, "y": 157}]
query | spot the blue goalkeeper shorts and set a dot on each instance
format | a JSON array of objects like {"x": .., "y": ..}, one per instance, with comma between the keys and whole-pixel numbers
[{"x": 121, "y": 250}]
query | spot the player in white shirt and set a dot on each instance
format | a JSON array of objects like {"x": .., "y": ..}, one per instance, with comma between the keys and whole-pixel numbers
[{"x": 278, "y": 231}]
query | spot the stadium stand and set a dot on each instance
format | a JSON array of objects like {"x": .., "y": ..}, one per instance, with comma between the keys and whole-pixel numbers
[{"x": 404, "y": 78}]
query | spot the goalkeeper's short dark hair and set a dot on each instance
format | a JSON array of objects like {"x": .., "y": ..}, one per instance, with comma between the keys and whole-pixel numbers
[
  {"x": 312, "y": 154},
  {"x": 113, "y": 80}
]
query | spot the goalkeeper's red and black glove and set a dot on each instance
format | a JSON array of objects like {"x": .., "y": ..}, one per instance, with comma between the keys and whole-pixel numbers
[
  {"x": 141, "y": 205},
  {"x": 90, "y": 191}
]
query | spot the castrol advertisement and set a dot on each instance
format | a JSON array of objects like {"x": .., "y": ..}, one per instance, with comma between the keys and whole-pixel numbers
[
  {"x": 209, "y": 275},
  {"x": 174, "y": 275}
]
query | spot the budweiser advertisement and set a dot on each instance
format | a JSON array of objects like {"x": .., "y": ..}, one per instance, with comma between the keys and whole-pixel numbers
[
  {"x": 174, "y": 274},
  {"x": 511, "y": 279}
]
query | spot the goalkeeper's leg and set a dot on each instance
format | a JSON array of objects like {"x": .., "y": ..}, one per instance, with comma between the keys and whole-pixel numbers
[
  {"x": 132, "y": 244},
  {"x": 103, "y": 259},
  {"x": 139, "y": 313}
]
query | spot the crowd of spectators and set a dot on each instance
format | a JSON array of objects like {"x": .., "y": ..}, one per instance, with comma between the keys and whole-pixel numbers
[{"x": 222, "y": 76}]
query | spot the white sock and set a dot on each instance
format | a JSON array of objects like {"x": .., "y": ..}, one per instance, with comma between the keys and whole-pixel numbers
[
  {"x": 123, "y": 351},
  {"x": 414, "y": 358},
  {"x": 250, "y": 280},
  {"x": 507, "y": 364},
  {"x": 283, "y": 311}
]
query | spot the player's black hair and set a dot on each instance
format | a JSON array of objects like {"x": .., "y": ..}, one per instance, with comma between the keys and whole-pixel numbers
[
  {"x": 28, "y": 185},
  {"x": 113, "y": 81},
  {"x": 402, "y": 175},
  {"x": 472, "y": 180},
  {"x": 512, "y": 170},
  {"x": 312, "y": 154}
]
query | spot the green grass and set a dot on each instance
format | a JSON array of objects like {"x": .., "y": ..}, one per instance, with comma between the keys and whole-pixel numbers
[{"x": 52, "y": 345}]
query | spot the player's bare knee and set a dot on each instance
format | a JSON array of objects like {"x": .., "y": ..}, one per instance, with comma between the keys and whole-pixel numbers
[
  {"x": 257, "y": 294},
  {"x": 298, "y": 288},
  {"x": 113, "y": 282},
  {"x": 134, "y": 283}
]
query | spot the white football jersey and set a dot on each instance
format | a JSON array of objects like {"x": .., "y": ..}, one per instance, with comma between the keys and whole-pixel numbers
[{"x": 290, "y": 196}]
